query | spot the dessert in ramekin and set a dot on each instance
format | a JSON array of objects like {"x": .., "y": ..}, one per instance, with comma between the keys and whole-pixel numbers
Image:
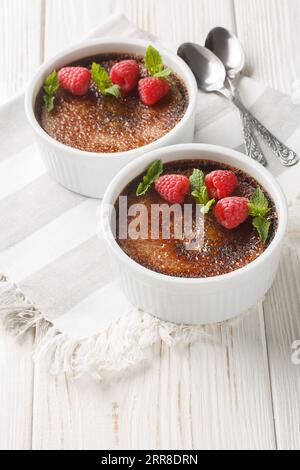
[
  {"x": 240, "y": 267},
  {"x": 87, "y": 139}
]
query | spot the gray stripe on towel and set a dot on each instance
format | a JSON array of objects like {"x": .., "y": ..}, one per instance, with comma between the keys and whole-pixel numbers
[
  {"x": 277, "y": 112},
  {"x": 210, "y": 108},
  {"x": 15, "y": 133},
  {"x": 32, "y": 207},
  {"x": 70, "y": 279}
]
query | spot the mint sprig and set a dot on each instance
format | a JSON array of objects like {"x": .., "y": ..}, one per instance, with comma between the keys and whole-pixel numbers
[
  {"x": 113, "y": 90},
  {"x": 164, "y": 73},
  {"x": 103, "y": 82},
  {"x": 154, "y": 63},
  {"x": 258, "y": 209},
  {"x": 153, "y": 173},
  {"x": 49, "y": 101},
  {"x": 51, "y": 86},
  {"x": 259, "y": 205},
  {"x": 262, "y": 225},
  {"x": 199, "y": 191},
  {"x": 205, "y": 209}
]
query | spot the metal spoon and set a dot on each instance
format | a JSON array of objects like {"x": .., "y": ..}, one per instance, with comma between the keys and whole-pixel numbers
[
  {"x": 210, "y": 74},
  {"x": 228, "y": 48}
]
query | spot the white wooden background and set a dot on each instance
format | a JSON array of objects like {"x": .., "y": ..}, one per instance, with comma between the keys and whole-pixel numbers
[{"x": 237, "y": 391}]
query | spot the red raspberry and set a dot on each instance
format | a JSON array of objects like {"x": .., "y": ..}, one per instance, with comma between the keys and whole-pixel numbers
[
  {"x": 125, "y": 74},
  {"x": 221, "y": 183},
  {"x": 152, "y": 89},
  {"x": 173, "y": 188},
  {"x": 232, "y": 211},
  {"x": 76, "y": 80}
]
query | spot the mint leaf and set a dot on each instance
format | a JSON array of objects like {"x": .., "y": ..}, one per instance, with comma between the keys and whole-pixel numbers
[
  {"x": 204, "y": 194},
  {"x": 103, "y": 82},
  {"x": 49, "y": 102},
  {"x": 164, "y": 73},
  {"x": 262, "y": 225},
  {"x": 259, "y": 208},
  {"x": 199, "y": 191},
  {"x": 154, "y": 63},
  {"x": 205, "y": 209},
  {"x": 153, "y": 60},
  {"x": 258, "y": 205},
  {"x": 197, "y": 180},
  {"x": 113, "y": 90},
  {"x": 51, "y": 84},
  {"x": 153, "y": 173},
  {"x": 100, "y": 77},
  {"x": 155, "y": 170}
]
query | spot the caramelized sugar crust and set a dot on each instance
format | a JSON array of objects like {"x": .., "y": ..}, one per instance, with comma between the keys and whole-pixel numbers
[
  {"x": 98, "y": 123},
  {"x": 223, "y": 250}
]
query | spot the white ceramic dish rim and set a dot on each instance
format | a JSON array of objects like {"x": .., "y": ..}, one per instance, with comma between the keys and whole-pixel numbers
[
  {"x": 130, "y": 168},
  {"x": 30, "y": 94}
]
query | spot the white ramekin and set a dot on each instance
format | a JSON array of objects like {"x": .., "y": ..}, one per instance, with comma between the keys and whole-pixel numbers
[
  {"x": 89, "y": 173},
  {"x": 195, "y": 301}
]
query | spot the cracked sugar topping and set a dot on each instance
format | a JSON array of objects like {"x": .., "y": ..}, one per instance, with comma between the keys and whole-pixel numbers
[
  {"x": 223, "y": 250},
  {"x": 98, "y": 123}
]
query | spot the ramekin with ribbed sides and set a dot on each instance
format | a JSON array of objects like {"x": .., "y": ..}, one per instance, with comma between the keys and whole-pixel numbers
[
  {"x": 195, "y": 300},
  {"x": 89, "y": 173}
]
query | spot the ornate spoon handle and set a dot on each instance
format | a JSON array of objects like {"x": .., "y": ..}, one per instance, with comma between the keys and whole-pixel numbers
[
  {"x": 287, "y": 156},
  {"x": 252, "y": 146}
]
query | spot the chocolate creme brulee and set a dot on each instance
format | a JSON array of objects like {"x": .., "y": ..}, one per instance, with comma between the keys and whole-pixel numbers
[
  {"x": 223, "y": 250},
  {"x": 98, "y": 123}
]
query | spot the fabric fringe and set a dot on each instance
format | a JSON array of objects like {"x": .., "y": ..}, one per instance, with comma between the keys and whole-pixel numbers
[
  {"x": 122, "y": 345},
  {"x": 18, "y": 313}
]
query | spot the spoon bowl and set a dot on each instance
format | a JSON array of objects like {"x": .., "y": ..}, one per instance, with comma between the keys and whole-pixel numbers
[
  {"x": 209, "y": 71},
  {"x": 228, "y": 49}
]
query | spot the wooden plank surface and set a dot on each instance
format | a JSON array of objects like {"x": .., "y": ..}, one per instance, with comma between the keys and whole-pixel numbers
[
  {"x": 21, "y": 44},
  {"x": 282, "y": 313},
  {"x": 16, "y": 398},
  {"x": 269, "y": 31},
  {"x": 186, "y": 20},
  {"x": 211, "y": 394}
]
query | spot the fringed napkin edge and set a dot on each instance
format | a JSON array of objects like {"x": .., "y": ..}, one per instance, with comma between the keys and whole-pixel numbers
[{"x": 124, "y": 343}]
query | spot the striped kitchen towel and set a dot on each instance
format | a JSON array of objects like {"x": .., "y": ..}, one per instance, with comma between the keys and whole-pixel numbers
[{"x": 56, "y": 277}]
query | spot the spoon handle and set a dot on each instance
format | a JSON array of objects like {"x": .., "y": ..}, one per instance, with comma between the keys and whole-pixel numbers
[
  {"x": 252, "y": 146},
  {"x": 253, "y": 149},
  {"x": 287, "y": 156}
]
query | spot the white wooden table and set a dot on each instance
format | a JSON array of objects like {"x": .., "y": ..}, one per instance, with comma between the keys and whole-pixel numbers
[{"x": 239, "y": 390}]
